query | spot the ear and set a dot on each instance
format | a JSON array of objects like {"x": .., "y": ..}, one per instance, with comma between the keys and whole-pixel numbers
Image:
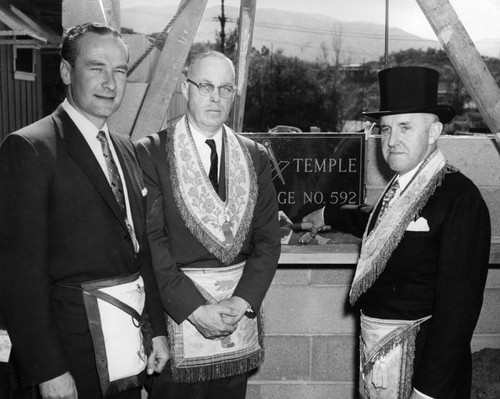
[
  {"x": 185, "y": 89},
  {"x": 435, "y": 130},
  {"x": 65, "y": 72}
]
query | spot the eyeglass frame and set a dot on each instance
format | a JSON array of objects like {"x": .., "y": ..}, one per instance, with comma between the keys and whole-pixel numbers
[{"x": 205, "y": 84}]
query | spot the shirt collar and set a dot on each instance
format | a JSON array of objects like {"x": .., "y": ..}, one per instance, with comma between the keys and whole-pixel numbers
[
  {"x": 199, "y": 137},
  {"x": 87, "y": 128},
  {"x": 405, "y": 179}
]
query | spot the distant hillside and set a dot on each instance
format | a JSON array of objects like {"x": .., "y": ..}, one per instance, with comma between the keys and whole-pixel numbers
[{"x": 308, "y": 36}]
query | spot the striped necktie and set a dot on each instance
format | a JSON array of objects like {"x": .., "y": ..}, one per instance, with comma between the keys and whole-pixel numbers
[
  {"x": 114, "y": 176},
  {"x": 389, "y": 195},
  {"x": 115, "y": 182}
]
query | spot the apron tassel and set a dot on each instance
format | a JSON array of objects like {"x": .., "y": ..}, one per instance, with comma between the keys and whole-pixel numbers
[{"x": 379, "y": 377}]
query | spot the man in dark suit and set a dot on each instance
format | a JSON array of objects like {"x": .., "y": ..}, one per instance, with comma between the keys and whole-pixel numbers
[
  {"x": 423, "y": 264},
  {"x": 63, "y": 224},
  {"x": 214, "y": 236}
]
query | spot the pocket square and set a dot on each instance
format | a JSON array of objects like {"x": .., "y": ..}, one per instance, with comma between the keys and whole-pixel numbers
[
  {"x": 144, "y": 191},
  {"x": 418, "y": 225}
]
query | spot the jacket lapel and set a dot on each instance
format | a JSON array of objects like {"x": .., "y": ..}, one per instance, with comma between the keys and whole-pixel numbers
[{"x": 80, "y": 151}]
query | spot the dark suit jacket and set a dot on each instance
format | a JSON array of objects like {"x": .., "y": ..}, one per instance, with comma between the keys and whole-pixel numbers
[
  {"x": 61, "y": 224},
  {"x": 173, "y": 245},
  {"x": 440, "y": 272}
]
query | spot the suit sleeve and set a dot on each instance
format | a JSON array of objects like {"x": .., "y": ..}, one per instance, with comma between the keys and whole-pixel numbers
[
  {"x": 460, "y": 282},
  {"x": 261, "y": 265},
  {"x": 178, "y": 294},
  {"x": 24, "y": 271},
  {"x": 154, "y": 308}
]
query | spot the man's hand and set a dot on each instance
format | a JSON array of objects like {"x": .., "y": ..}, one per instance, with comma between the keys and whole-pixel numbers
[
  {"x": 158, "y": 358},
  {"x": 237, "y": 303},
  {"x": 314, "y": 222},
  {"x": 208, "y": 320},
  {"x": 61, "y": 387}
]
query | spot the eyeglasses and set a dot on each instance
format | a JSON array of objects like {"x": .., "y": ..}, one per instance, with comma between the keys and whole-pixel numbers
[{"x": 206, "y": 89}]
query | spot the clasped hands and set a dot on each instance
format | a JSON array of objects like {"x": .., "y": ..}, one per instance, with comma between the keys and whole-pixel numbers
[{"x": 220, "y": 319}]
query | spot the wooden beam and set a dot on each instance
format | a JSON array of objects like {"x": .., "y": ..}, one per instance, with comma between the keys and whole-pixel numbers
[
  {"x": 111, "y": 12},
  {"x": 77, "y": 12},
  {"x": 172, "y": 59},
  {"x": 246, "y": 23},
  {"x": 466, "y": 60}
]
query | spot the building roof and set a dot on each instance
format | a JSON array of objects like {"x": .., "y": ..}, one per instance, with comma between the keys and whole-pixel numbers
[{"x": 20, "y": 24}]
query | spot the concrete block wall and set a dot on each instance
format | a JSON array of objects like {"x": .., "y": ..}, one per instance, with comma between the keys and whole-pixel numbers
[
  {"x": 311, "y": 336},
  {"x": 311, "y": 332}
]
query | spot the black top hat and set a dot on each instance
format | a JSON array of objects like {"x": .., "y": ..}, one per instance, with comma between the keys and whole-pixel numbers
[{"x": 408, "y": 90}]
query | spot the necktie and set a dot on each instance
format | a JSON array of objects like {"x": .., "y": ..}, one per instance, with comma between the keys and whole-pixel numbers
[
  {"x": 116, "y": 184},
  {"x": 389, "y": 195},
  {"x": 214, "y": 164},
  {"x": 114, "y": 176}
]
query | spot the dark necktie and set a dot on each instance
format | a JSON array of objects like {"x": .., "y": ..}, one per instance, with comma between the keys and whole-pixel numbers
[
  {"x": 214, "y": 164},
  {"x": 114, "y": 176},
  {"x": 389, "y": 195}
]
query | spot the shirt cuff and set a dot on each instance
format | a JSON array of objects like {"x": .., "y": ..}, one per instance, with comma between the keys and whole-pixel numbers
[{"x": 421, "y": 395}]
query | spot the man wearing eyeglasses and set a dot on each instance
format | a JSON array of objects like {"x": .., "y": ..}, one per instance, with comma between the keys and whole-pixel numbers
[{"x": 214, "y": 236}]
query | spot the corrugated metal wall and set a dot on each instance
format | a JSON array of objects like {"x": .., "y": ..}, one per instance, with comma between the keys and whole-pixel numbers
[{"x": 20, "y": 100}]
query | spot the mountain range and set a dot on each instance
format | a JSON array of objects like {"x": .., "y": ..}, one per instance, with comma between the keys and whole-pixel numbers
[{"x": 310, "y": 37}]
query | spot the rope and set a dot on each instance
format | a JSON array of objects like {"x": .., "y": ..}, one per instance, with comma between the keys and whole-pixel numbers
[{"x": 162, "y": 36}]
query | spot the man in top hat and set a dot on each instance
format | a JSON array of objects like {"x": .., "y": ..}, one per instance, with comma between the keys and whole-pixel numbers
[{"x": 421, "y": 273}]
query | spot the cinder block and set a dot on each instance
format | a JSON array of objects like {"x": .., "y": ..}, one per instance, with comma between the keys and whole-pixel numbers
[
  {"x": 287, "y": 358},
  {"x": 476, "y": 157},
  {"x": 341, "y": 275},
  {"x": 482, "y": 341},
  {"x": 292, "y": 276},
  {"x": 253, "y": 391},
  {"x": 308, "y": 310},
  {"x": 335, "y": 358},
  {"x": 373, "y": 194},
  {"x": 493, "y": 280},
  {"x": 491, "y": 196},
  {"x": 377, "y": 171},
  {"x": 489, "y": 319},
  {"x": 306, "y": 391}
]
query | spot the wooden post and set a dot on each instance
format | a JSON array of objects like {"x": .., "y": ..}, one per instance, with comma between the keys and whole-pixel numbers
[
  {"x": 247, "y": 19},
  {"x": 172, "y": 59},
  {"x": 466, "y": 59}
]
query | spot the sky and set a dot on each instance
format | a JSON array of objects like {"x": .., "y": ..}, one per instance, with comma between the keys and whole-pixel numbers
[{"x": 481, "y": 18}]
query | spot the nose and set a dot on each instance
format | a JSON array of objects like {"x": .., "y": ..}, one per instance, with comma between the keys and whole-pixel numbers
[
  {"x": 393, "y": 138},
  {"x": 109, "y": 81},
  {"x": 215, "y": 96}
]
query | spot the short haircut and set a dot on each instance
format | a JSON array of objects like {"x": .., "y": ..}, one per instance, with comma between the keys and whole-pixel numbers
[
  {"x": 70, "y": 48},
  {"x": 431, "y": 118},
  {"x": 208, "y": 54}
]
